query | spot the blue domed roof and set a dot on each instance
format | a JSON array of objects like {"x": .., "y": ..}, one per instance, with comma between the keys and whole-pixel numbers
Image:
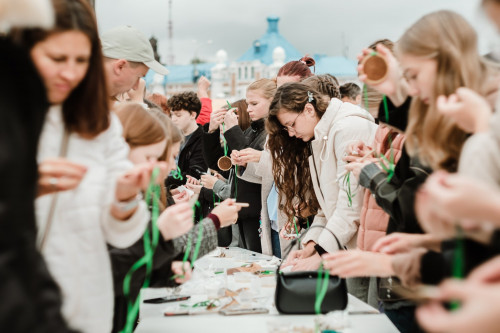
[{"x": 262, "y": 48}]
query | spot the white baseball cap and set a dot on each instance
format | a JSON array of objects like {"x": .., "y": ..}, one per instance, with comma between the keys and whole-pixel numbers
[{"x": 125, "y": 42}]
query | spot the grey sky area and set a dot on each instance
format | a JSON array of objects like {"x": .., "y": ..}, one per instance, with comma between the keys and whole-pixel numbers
[{"x": 329, "y": 27}]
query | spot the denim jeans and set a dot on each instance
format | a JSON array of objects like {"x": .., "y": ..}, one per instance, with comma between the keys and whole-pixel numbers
[{"x": 275, "y": 242}]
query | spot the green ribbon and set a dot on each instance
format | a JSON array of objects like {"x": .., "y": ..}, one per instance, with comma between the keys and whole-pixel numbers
[
  {"x": 235, "y": 182},
  {"x": 458, "y": 261},
  {"x": 150, "y": 244},
  {"x": 321, "y": 288},
  {"x": 347, "y": 185},
  {"x": 295, "y": 224},
  {"x": 189, "y": 245},
  {"x": 177, "y": 174},
  {"x": 224, "y": 139}
]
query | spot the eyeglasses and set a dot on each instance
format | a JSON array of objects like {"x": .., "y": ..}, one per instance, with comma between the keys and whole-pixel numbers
[{"x": 291, "y": 127}]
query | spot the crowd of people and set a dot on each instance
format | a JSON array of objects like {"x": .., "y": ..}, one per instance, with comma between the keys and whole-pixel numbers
[{"x": 106, "y": 189}]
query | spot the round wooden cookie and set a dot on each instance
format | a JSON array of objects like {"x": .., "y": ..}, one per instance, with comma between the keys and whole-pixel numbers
[
  {"x": 224, "y": 163},
  {"x": 375, "y": 67}
]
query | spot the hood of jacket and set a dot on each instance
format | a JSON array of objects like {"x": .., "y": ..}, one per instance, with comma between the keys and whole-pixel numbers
[{"x": 336, "y": 111}]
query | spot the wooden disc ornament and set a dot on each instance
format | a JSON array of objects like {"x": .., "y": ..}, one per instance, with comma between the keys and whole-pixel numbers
[
  {"x": 224, "y": 163},
  {"x": 375, "y": 68}
]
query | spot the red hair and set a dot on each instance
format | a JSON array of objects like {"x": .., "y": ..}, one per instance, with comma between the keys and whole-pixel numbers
[{"x": 298, "y": 68}]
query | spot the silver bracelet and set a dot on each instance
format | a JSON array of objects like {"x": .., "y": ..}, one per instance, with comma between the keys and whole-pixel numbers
[{"x": 125, "y": 206}]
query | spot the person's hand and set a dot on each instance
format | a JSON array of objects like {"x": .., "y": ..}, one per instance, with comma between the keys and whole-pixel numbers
[
  {"x": 295, "y": 255},
  {"x": 489, "y": 272},
  {"x": 470, "y": 111},
  {"x": 137, "y": 95},
  {"x": 236, "y": 158},
  {"x": 356, "y": 167},
  {"x": 181, "y": 197},
  {"x": 208, "y": 181},
  {"x": 216, "y": 119},
  {"x": 191, "y": 180},
  {"x": 176, "y": 220},
  {"x": 458, "y": 199},
  {"x": 311, "y": 263},
  {"x": 478, "y": 312},
  {"x": 399, "y": 242},
  {"x": 356, "y": 263},
  {"x": 59, "y": 174},
  {"x": 183, "y": 274},
  {"x": 195, "y": 188},
  {"x": 250, "y": 155},
  {"x": 394, "y": 86},
  {"x": 288, "y": 229},
  {"x": 357, "y": 150},
  {"x": 138, "y": 178},
  {"x": 227, "y": 212},
  {"x": 203, "y": 85},
  {"x": 230, "y": 119}
]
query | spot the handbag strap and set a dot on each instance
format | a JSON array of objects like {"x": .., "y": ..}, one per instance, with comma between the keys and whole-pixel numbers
[{"x": 50, "y": 217}]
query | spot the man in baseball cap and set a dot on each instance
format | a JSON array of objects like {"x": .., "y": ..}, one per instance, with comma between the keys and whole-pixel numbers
[{"x": 128, "y": 57}]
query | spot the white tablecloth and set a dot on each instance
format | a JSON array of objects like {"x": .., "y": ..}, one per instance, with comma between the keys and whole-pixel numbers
[{"x": 152, "y": 319}]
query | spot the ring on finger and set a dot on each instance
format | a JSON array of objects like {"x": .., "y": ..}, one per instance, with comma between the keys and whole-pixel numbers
[{"x": 53, "y": 182}]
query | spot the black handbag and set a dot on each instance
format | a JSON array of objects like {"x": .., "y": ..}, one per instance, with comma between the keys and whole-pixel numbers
[{"x": 296, "y": 291}]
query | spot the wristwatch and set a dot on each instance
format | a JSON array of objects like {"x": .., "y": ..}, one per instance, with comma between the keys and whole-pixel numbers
[{"x": 125, "y": 206}]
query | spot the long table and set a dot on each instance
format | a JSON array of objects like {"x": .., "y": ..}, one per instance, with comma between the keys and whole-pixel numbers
[{"x": 210, "y": 274}]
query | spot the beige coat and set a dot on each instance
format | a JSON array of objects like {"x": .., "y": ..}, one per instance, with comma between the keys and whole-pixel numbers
[
  {"x": 480, "y": 156},
  {"x": 341, "y": 125}
]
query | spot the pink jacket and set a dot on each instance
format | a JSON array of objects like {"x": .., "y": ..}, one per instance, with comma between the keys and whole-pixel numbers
[{"x": 373, "y": 220}]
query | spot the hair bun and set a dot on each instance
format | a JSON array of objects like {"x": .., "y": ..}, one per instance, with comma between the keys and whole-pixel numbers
[{"x": 308, "y": 61}]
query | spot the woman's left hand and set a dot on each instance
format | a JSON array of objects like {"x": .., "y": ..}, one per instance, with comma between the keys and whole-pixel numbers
[
  {"x": 356, "y": 263},
  {"x": 311, "y": 263},
  {"x": 131, "y": 182}
]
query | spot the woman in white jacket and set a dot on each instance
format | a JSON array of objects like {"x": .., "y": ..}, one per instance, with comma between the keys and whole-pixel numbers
[
  {"x": 308, "y": 137},
  {"x": 88, "y": 191}
]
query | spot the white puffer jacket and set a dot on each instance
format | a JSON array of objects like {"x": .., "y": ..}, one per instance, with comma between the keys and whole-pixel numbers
[
  {"x": 341, "y": 125},
  {"x": 75, "y": 249}
]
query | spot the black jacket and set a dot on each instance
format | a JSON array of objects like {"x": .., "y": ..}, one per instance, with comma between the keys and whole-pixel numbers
[
  {"x": 30, "y": 299},
  {"x": 191, "y": 161},
  {"x": 253, "y": 137},
  {"x": 121, "y": 262},
  {"x": 397, "y": 197}
]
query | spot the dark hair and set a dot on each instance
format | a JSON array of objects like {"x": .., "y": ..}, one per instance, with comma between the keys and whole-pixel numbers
[
  {"x": 289, "y": 154},
  {"x": 350, "y": 90},
  {"x": 298, "y": 68},
  {"x": 325, "y": 84},
  {"x": 86, "y": 110},
  {"x": 188, "y": 101},
  {"x": 243, "y": 116}
]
